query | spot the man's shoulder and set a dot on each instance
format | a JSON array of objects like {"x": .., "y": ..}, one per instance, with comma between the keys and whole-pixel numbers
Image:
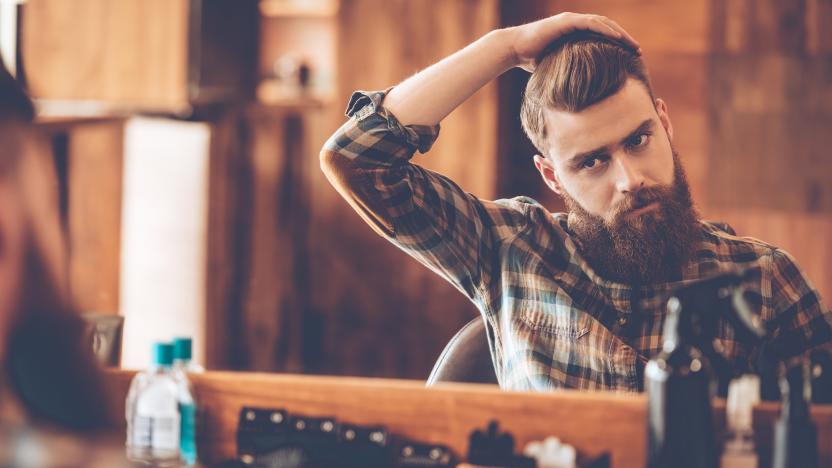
[
  {"x": 536, "y": 214},
  {"x": 521, "y": 201},
  {"x": 726, "y": 244}
]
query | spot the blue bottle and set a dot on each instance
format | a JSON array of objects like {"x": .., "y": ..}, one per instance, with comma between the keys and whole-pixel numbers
[{"x": 182, "y": 365}]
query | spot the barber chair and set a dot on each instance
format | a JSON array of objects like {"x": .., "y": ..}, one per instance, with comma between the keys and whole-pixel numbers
[{"x": 466, "y": 358}]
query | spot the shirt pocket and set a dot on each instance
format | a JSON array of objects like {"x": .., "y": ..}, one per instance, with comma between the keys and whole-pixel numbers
[
  {"x": 557, "y": 346},
  {"x": 561, "y": 323}
]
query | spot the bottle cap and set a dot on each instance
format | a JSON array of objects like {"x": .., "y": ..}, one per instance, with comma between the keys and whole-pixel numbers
[
  {"x": 182, "y": 348},
  {"x": 163, "y": 354}
]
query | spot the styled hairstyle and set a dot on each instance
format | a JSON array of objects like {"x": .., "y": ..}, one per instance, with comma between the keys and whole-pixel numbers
[
  {"x": 575, "y": 72},
  {"x": 48, "y": 357}
]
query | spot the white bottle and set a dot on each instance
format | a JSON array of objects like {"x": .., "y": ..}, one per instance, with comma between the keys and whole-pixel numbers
[
  {"x": 743, "y": 394},
  {"x": 551, "y": 453},
  {"x": 153, "y": 420}
]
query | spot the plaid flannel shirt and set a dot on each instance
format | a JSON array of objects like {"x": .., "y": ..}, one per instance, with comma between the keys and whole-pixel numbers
[{"x": 552, "y": 322}]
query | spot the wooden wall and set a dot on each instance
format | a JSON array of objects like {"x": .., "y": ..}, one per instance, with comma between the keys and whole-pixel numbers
[
  {"x": 88, "y": 156},
  {"x": 770, "y": 111},
  {"x": 375, "y": 311},
  {"x": 259, "y": 206}
]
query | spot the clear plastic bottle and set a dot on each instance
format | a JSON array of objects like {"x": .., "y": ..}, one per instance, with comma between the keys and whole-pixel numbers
[
  {"x": 739, "y": 451},
  {"x": 182, "y": 366},
  {"x": 152, "y": 411}
]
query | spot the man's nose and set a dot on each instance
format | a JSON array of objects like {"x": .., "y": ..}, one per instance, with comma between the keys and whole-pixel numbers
[{"x": 628, "y": 177}]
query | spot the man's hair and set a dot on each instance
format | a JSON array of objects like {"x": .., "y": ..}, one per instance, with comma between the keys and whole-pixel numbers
[{"x": 577, "y": 71}]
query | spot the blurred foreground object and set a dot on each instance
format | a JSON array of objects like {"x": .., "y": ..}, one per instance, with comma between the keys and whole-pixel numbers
[{"x": 105, "y": 337}]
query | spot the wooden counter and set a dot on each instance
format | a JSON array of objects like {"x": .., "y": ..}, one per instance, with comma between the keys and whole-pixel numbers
[{"x": 593, "y": 422}]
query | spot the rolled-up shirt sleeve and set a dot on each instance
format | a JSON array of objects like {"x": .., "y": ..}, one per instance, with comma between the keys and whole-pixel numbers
[{"x": 454, "y": 233}]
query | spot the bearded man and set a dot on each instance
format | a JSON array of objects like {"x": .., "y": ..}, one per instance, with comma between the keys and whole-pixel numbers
[{"x": 569, "y": 300}]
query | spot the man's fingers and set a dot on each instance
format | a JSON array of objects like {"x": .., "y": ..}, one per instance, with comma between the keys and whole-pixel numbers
[
  {"x": 610, "y": 28},
  {"x": 624, "y": 35},
  {"x": 594, "y": 23},
  {"x": 535, "y": 36}
]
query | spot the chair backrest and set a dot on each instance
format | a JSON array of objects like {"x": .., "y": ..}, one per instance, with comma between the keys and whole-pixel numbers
[{"x": 466, "y": 358}]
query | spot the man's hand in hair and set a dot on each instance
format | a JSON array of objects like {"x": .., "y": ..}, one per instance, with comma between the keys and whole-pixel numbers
[{"x": 530, "y": 40}]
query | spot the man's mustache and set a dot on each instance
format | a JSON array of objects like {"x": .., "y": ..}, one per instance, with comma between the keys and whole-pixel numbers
[{"x": 642, "y": 198}]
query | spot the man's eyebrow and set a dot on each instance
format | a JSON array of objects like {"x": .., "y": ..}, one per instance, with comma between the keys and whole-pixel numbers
[{"x": 576, "y": 160}]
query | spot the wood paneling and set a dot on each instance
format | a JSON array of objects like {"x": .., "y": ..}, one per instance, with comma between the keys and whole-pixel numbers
[
  {"x": 95, "y": 181},
  {"x": 679, "y": 27},
  {"x": 770, "y": 106},
  {"x": 227, "y": 225},
  {"x": 374, "y": 310},
  {"x": 272, "y": 310},
  {"x": 383, "y": 55},
  {"x": 257, "y": 283},
  {"x": 769, "y": 114},
  {"x": 89, "y": 154}
]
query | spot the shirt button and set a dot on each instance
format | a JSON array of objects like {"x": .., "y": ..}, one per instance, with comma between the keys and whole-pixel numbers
[{"x": 622, "y": 320}]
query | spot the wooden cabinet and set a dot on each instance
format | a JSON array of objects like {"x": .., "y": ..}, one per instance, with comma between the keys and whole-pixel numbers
[{"x": 159, "y": 55}]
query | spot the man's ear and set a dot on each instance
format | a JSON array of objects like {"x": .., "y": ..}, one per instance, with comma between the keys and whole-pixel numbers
[
  {"x": 664, "y": 117},
  {"x": 548, "y": 173}
]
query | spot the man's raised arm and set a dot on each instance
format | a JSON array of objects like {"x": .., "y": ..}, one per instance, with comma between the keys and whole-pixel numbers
[
  {"x": 425, "y": 214},
  {"x": 430, "y": 95}
]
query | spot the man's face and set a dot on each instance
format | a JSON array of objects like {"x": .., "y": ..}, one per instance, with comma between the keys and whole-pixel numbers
[
  {"x": 628, "y": 199},
  {"x": 602, "y": 156}
]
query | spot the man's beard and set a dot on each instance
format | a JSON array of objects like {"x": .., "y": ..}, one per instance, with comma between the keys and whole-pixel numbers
[{"x": 648, "y": 248}]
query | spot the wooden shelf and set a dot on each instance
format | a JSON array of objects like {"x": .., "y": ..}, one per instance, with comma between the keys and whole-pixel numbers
[
  {"x": 299, "y": 8},
  {"x": 272, "y": 93},
  {"x": 69, "y": 109}
]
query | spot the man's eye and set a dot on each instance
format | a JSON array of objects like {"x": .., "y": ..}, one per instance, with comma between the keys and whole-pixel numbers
[
  {"x": 639, "y": 140},
  {"x": 589, "y": 163},
  {"x": 593, "y": 163}
]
